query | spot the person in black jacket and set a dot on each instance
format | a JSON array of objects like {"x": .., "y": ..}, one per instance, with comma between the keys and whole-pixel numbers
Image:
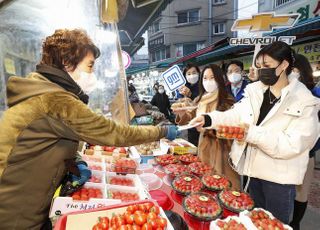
[{"x": 161, "y": 100}]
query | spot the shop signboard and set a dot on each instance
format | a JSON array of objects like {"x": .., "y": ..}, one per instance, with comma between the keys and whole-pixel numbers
[
  {"x": 173, "y": 78},
  {"x": 309, "y": 50}
]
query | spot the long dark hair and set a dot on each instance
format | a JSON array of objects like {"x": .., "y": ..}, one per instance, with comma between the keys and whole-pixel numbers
[
  {"x": 279, "y": 51},
  {"x": 223, "y": 96},
  {"x": 305, "y": 69},
  {"x": 189, "y": 66}
]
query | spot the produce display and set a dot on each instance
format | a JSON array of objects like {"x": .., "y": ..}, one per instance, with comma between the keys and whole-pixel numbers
[
  {"x": 215, "y": 182},
  {"x": 199, "y": 168},
  {"x": 136, "y": 217},
  {"x": 95, "y": 167},
  {"x": 124, "y": 166},
  {"x": 106, "y": 150},
  {"x": 123, "y": 181},
  {"x": 123, "y": 196},
  {"x": 95, "y": 179},
  {"x": 189, "y": 158},
  {"x": 230, "y": 132},
  {"x": 263, "y": 221},
  {"x": 174, "y": 170},
  {"x": 147, "y": 149},
  {"x": 87, "y": 193},
  {"x": 186, "y": 184},
  {"x": 166, "y": 159},
  {"x": 235, "y": 201},
  {"x": 231, "y": 225},
  {"x": 202, "y": 206}
]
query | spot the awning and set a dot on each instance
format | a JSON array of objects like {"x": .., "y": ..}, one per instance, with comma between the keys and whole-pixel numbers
[{"x": 304, "y": 31}]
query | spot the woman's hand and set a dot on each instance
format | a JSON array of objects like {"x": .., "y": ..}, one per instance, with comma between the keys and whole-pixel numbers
[
  {"x": 185, "y": 91},
  {"x": 199, "y": 122}
]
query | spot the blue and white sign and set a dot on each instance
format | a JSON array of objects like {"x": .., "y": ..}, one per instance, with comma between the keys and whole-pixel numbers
[{"x": 173, "y": 78}]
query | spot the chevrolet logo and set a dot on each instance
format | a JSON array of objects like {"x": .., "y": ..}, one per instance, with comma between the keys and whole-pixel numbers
[{"x": 265, "y": 22}]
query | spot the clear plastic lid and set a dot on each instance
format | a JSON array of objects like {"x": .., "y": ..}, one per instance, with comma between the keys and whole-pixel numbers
[
  {"x": 152, "y": 181},
  {"x": 145, "y": 168}
]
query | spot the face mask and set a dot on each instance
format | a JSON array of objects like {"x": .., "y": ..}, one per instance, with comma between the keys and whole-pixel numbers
[
  {"x": 210, "y": 86},
  {"x": 295, "y": 75},
  {"x": 193, "y": 78},
  {"x": 161, "y": 91},
  {"x": 234, "y": 78},
  {"x": 87, "y": 81},
  {"x": 268, "y": 76}
]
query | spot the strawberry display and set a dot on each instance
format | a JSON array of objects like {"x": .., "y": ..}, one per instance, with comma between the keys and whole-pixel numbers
[
  {"x": 136, "y": 217},
  {"x": 188, "y": 159},
  {"x": 166, "y": 159},
  {"x": 202, "y": 206},
  {"x": 123, "y": 196},
  {"x": 215, "y": 182},
  {"x": 95, "y": 179},
  {"x": 263, "y": 221},
  {"x": 95, "y": 167},
  {"x": 230, "y": 132},
  {"x": 199, "y": 168},
  {"x": 186, "y": 183},
  {"x": 230, "y": 225},
  {"x": 235, "y": 201},
  {"x": 87, "y": 193},
  {"x": 124, "y": 165},
  {"x": 174, "y": 170},
  {"x": 121, "y": 181}
]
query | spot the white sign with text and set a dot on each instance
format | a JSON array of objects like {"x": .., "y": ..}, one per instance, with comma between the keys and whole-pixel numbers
[{"x": 173, "y": 78}]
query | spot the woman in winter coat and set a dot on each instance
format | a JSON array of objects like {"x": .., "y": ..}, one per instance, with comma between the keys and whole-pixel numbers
[
  {"x": 41, "y": 130},
  {"x": 213, "y": 96},
  {"x": 281, "y": 116},
  {"x": 161, "y": 100}
]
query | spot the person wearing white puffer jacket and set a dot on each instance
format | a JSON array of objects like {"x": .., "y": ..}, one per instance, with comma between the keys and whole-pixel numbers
[{"x": 282, "y": 126}]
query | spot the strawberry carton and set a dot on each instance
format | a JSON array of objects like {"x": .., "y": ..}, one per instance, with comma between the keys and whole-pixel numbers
[
  {"x": 259, "y": 218},
  {"x": 186, "y": 183},
  {"x": 97, "y": 177},
  {"x": 188, "y": 159},
  {"x": 166, "y": 159},
  {"x": 174, "y": 170},
  {"x": 235, "y": 201},
  {"x": 96, "y": 166},
  {"x": 126, "y": 194},
  {"x": 128, "y": 180},
  {"x": 200, "y": 169},
  {"x": 124, "y": 166},
  {"x": 215, "y": 182},
  {"x": 230, "y": 132},
  {"x": 230, "y": 223},
  {"x": 92, "y": 158},
  {"x": 202, "y": 206},
  {"x": 133, "y": 215},
  {"x": 90, "y": 196}
]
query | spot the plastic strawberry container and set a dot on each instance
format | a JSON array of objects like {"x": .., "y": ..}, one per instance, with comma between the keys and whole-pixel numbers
[
  {"x": 189, "y": 158},
  {"x": 166, "y": 159},
  {"x": 235, "y": 201},
  {"x": 230, "y": 132},
  {"x": 152, "y": 181},
  {"x": 125, "y": 194},
  {"x": 120, "y": 180},
  {"x": 216, "y": 182},
  {"x": 199, "y": 169},
  {"x": 124, "y": 166},
  {"x": 89, "y": 191},
  {"x": 174, "y": 170},
  {"x": 187, "y": 183},
  {"x": 95, "y": 166},
  {"x": 89, "y": 158},
  {"x": 97, "y": 177},
  {"x": 202, "y": 206},
  {"x": 230, "y": 223}
]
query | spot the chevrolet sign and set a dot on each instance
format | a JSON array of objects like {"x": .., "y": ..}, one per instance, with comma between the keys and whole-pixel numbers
[{"x": 261, "y": 40}]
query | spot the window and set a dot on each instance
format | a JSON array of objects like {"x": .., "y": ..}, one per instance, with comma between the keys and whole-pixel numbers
[
  {"x": 161, "y": 54},
  {"x": 217, "y": 2},
  {"x": 188, "y": 48},
  {"x": 219, "y": 28},
  {"x": 188, "y": 16},
  {"x": 281, "y": 2},
  {"x": 155, "y": 27}
]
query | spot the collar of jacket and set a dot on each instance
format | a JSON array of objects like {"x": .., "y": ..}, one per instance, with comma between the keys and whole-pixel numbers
[{"x": 62, "y": 79}]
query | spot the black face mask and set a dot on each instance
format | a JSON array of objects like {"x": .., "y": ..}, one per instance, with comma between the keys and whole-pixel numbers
[{"x": 268, "y": 76}]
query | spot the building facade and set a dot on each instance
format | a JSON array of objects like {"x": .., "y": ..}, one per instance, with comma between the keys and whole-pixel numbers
[
  {"x": 186, "y": 26},
  {"x": 307, "y": 8}
]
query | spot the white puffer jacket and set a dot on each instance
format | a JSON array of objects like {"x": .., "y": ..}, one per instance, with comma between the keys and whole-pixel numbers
[{"x": 278, "y": 149}]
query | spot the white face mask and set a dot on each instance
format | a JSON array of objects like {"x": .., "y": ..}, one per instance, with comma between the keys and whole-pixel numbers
[
  {"x": 87, "y": 81},
  {"x": 294, "y": 74},
  {"x": 161, "y": 91},
  {"x": 193, "y": 78},
  {"x": 234, "y": 78},
  {"x": 210, "y": 85}
]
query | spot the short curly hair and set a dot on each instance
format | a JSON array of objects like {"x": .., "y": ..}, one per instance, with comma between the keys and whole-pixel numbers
[{"x": 67, "y": 48}]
